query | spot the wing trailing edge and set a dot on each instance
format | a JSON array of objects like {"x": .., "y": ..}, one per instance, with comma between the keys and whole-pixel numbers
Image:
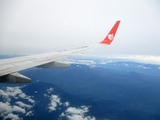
[{"x": 54, "y": 65}]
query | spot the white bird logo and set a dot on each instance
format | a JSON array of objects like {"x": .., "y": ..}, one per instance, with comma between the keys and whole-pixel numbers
[{"x": 110, "y": 36}]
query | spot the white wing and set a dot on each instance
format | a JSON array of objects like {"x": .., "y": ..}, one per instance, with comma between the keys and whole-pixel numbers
[{"x": 9, "y": 67}]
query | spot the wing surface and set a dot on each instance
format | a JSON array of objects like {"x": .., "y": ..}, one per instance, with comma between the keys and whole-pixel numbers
[{"x": 9, "y": 67}]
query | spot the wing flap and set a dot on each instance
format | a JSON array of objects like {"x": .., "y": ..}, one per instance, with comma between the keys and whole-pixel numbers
[
  {"x": 54, "y": 65},
  {"x": 15, "y": 78}
]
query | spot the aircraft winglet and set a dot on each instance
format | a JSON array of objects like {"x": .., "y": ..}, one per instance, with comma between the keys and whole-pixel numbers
[{"x": 109, "y": 38}]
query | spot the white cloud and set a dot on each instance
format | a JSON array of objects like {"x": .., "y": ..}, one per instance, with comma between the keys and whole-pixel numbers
[
  {"x": 17, "y": 92},
  {"x": 23, "y": 105},
  {"x": 49, "y": 90},
  {"x": 6, "y": 111},
  {"x": 31, "y": 100},
  {"x": 62, "y": 115},
  {"x": 138, "y": 58},
  {"x": 79, "y": 117},
  {"x": 12, "y": 111},
  {"x": 103, "y": 63},
  {"x": 148, "y": 59},
  {"x": 66, "y": 104},
  {"x": 73, "y": 113},
  {"x": 82, "y": 61},
  {"x": 12, "y": 116},
  {"x": 13, "y": 91},
  {"x": 22, "y": 95},
  {"x": 35, "y": 91},
  {"x": 78, "y": 61},
  {"x": 18, "y": 109},
  {"x": 55, "y": 100},
  {"x": 74, "y": 110},
  {"x": 104, "y": 59},
  {"x": 4, "y": 95},
  {"x": 5, "y": 108},
  {"x": 30, "y": 113},
  {"x": 141, "y": 66},
  {"x": 45, "y": 95}
]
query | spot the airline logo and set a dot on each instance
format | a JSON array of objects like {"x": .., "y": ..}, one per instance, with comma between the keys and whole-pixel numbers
[{"x": 110, "y": 36}]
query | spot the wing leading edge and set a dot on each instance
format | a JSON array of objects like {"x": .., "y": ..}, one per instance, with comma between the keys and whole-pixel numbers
[{"x": 9, "y": 67}]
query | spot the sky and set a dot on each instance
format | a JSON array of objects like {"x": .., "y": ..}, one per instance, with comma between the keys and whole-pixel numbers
[{"x": 36, "y": 26}]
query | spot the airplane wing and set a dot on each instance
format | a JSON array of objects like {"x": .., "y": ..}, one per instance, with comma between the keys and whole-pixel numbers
[{"x": 9, "y": 67}]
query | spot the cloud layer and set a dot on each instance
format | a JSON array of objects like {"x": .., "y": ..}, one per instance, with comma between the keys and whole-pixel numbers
[
  {"x": 73, "y": 113},
  {"x": 8, "y": 110},
  {"x": 15, "y": 105}
]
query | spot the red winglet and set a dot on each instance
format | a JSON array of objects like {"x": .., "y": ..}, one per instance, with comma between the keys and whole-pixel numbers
[{"x": 109, "y": 38}]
